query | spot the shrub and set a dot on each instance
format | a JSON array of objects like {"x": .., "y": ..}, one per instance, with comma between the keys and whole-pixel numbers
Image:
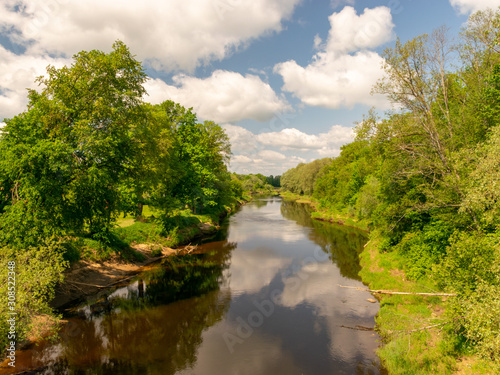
[
  {"x": 480, "y": 320},
  {"x": 37, "y": 271},
  {"x": 425, "y": 248}
]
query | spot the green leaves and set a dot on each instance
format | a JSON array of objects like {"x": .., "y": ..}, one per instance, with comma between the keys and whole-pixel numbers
[
  {"x": 64, "y": 157},
  {"x": 482, "y": 193},
  {"x": 86, "y": 149},
  {"x": 480, "y": 320},
  {"x": 203, "y": 152},
  {"x": 472, "y": 270},
  {"x": 301, "y": 179},
  {"x": 38, "y": 269}
]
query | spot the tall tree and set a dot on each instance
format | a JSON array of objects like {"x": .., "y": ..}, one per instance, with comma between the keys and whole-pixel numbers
[
  {"x": 76, "y": 135},
  {"x": 204, "y": 151}
]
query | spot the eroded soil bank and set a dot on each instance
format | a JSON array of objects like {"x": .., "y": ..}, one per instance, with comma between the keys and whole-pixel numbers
[{"x": 86, "y": 277}]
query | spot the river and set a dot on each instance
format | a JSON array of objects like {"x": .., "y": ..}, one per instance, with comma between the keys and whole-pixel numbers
[{"x": 261, "y": 297}]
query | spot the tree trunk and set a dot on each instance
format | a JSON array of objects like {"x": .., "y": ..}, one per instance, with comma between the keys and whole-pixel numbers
[{"x": 140, "y": 207}]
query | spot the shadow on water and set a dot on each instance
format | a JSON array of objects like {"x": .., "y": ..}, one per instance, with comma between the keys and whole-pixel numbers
[
  {"x": 342, "y": 243},
  {"x": 114, "y": 332},
  {"x": 176, "y": 318}
]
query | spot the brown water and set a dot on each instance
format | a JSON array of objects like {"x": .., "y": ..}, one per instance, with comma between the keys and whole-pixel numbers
[{"x": 261, "y": 298}]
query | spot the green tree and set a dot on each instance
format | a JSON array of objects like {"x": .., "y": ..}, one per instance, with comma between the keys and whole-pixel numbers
[
  {"x": 67, "y": 153},
  {"x": 203, "y": 151}
]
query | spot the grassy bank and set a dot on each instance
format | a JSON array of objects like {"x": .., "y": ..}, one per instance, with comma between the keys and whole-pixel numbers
[
  {"x": 324, "y": 214},
  {"x": 180, "y": 228},
  {"x": 417, "y": 332}
]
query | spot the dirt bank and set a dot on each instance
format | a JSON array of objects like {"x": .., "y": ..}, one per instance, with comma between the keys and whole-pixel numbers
[{"x": 86, "y": 277}]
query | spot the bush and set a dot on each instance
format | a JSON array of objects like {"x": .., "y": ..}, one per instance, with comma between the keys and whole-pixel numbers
[
  {"x": 480, "y": 320},
  {"x": 471, "y": 258},
  {"x": 37, "y": 271},
  {"x": 368, "y": 198},
  {"x": 425, "y": 248},
  {"x": 168, "y": 223},
  {"x": 472, "y": 270}
]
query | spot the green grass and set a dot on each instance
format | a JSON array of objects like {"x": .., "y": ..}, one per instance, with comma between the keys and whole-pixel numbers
[
  {"x": 180, "y": 228},
  {"x": 125, "y": 221},
  {"x": 138, "y": 232},
  {"x": 405, "y": 352},
  {"x": 128, "y": 220},
  {"x": 410, "y": 347}
]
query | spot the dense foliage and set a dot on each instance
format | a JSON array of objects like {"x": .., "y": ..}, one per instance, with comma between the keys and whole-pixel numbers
[
  {"x": 301, "y": 179},
  {"x": 87, "y": 150},
  {"x": 257, "y": 183},
  {"x": 426, "y": 177}
]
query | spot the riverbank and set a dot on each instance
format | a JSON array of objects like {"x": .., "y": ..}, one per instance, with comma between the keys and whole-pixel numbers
[
  {"x": 137, "y": 247},
  {"x": 416, "y": 330},
  {"x": 184, "y": 308},
  {"x": 139, "y": 244}
]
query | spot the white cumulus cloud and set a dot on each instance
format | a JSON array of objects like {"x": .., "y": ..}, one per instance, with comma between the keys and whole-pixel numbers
[
  {"x": 271, "y": 155},
  {"x": 223, "y": 97},
  {"x": 323, "y": 143},
  {"x": 169, "y": 36},
  {"x": 350, "y": 32},
  {"x": 254, "y": 163},
  {"x": 241, "y": 138},
  {"x": 17, "y": 74},
  {"x": 344, "y": 71},
  {"x": 275, "y": 152},
  {"x": 172, "y": 35},
  {"x": 468, "y": 6}
]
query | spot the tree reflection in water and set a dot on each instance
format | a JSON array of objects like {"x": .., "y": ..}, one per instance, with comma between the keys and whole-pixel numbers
[
  {"x": 173, "y": 318},
  {"x": 342, "y": 243},
  {"x": 156, "y": 322}
]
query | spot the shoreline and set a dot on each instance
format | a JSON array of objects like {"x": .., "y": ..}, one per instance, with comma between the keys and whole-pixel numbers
[
  {"x": 86, "y": 277},
  {"x": 89, "y": 277},
  {"x": 414, "y": 342}
]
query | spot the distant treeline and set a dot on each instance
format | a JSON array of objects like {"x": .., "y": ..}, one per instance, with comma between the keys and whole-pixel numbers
[
  {"x": 427, "y": 177},
  {"x": 257, "y": 183}
]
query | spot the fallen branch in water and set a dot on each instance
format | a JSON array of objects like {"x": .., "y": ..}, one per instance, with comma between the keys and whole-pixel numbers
[
  {"x": 93, "y": 285},
  {"x": 400, "y": 293},
  {"x": 359, "y": 328}
]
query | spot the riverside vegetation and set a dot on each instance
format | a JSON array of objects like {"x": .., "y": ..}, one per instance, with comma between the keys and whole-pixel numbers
[
  {"x": 425, "y": 180},
  {"x": 90, "y": 168}
]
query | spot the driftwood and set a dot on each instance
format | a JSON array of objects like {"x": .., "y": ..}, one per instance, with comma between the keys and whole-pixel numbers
[
  {"x": 359, "y": 328},
  {"x": 399, "y": 293},
  {"x": 93, "y": 285},
  {"x": 362, "y": 328}
]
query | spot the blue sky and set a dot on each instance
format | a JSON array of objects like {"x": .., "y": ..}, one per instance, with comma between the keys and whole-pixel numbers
[{"x": 287, "y": 79}]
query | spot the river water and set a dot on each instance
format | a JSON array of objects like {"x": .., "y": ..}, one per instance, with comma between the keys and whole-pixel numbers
[{"x": 262, "y": 297}]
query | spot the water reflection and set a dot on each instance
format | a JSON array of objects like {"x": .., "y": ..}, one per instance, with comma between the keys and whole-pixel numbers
[
  {"x": 343, "y": 243},
  {"x": 155, "y": 323},
  {"x": 261, "y": 298}
]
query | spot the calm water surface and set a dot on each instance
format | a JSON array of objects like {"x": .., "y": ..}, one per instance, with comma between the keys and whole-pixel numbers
[{"x": 261, "y": 298}]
